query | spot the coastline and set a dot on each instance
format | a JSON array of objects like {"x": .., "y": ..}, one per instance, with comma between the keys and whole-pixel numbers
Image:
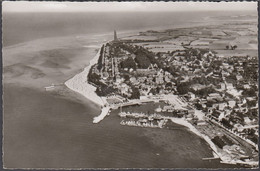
[
  {"x": 79, "y": 83},
  {"x": 216, "y": 154},
  {"x": 185, "y": 123}
]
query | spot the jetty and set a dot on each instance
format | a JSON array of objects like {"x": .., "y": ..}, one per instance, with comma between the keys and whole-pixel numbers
[
  {"x": 105, "y": 111},
  {"x": 210, "y": 158},
  {"x": 52, "y": 86}
]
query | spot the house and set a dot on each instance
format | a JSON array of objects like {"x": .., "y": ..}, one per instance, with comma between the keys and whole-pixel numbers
[
  {"x": 213, "y": 96},
  {"x": 216, "y": 114},
  {"x": 134, "y": 81},
  {"x": 196, "y": 71},
  {"x": 225, "y": 74},
  {"x": 167, "y": 79},
  {"x": 119, "y": 79},
  {"x": 192, "y": 96},
  {"x": 210, "y": 109},
  {"x": 168, "y": 108},
  {"x": 197, "y": 87},
  {"x": 159, "y": 80},
  {"x": 247, "y": 120},
  {"x": 204, "y": 106},
  {"x": 231, "y": 103},
  {"x": 203, "y": 101},
  {"x": 141, "y": 79},
  {"x": 246, "y": 86},
  {"x": 229, "y": 86},
  {"x": 221, "y": 116},
  {"x": 201, "y": 123},
  {"x": 191, "y": 112},
  {"x": 238, "y": 127},
  {"x": 105, "y": 75},
  {"x": 239, "y": 77},
  {"x": 215, "y": 105},
  {"x": 222, "y": 86},
  {"x": 225, "y": 65},
  {"x": 124, "y": 88},
  {"x": 222, "y": 106},
  {"x": 243, "y": 109}
]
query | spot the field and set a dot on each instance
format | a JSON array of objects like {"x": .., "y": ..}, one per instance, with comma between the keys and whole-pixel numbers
[
  {"x": 160, "y": 47},
  {"x": 219, "y": 37}
]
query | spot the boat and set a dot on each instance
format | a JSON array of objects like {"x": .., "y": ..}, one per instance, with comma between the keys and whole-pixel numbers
[{"x": 48, "y": 88}]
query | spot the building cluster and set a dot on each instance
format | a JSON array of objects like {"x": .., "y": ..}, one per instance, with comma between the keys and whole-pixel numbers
[
  {"x": 224, "y": 88},
  {"x": 146, "y": 81}
]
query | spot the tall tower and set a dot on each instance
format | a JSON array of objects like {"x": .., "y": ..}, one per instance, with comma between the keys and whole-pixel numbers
[{"x": 115, "y": 36}]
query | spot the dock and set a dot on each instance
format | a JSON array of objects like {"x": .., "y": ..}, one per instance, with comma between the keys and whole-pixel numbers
[
  {"x": 210, "y": 158},
  {"x": 52, "y": 86}
]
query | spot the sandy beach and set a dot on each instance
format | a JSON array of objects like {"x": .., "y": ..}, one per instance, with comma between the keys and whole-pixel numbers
[
  {"x": 79, "y": 83},
  {"x": 49, "y": 60}
]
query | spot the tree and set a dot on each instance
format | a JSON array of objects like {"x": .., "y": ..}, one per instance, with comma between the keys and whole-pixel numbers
[
  {"x": 126, "y": 77},
  {"x": 197, "y": 62},
  {"x": 227, "y": 47},
  {"x": 234, "y": 47},
  {"x": 135, "y": 93},
  {"x": 99, "y": 65},
  {"x": 226, "y": 123},
  {"x": 128, "y": 63},
  {"x": 183, "y": 88},
  {"x": 168, "y": 85},
  {"x": 250, "y": 92},
  {"x": 142, "y": 61},
  {"x": 104, "y": 90},
  {"x": 93, "y": 77},
  {"x": 198, "y": 106}
]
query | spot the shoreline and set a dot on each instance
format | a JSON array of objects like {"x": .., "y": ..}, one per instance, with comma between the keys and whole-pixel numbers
[
  {"x": 185, "y": 123},
  {"x": 79, "y": 83},
  {"x": 216, "y": 154}
]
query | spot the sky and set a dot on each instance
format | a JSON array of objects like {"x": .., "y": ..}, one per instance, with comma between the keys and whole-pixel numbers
[{"x": 25, "y": 6}]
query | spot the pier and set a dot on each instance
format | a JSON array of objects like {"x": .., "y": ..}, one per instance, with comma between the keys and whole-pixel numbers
[
  {"x": 105, "y": 111},
  {"x": 210, "y": 158}
]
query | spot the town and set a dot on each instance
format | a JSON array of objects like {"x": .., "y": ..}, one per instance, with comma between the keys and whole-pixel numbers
[{"x": 216, "y": 94}]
